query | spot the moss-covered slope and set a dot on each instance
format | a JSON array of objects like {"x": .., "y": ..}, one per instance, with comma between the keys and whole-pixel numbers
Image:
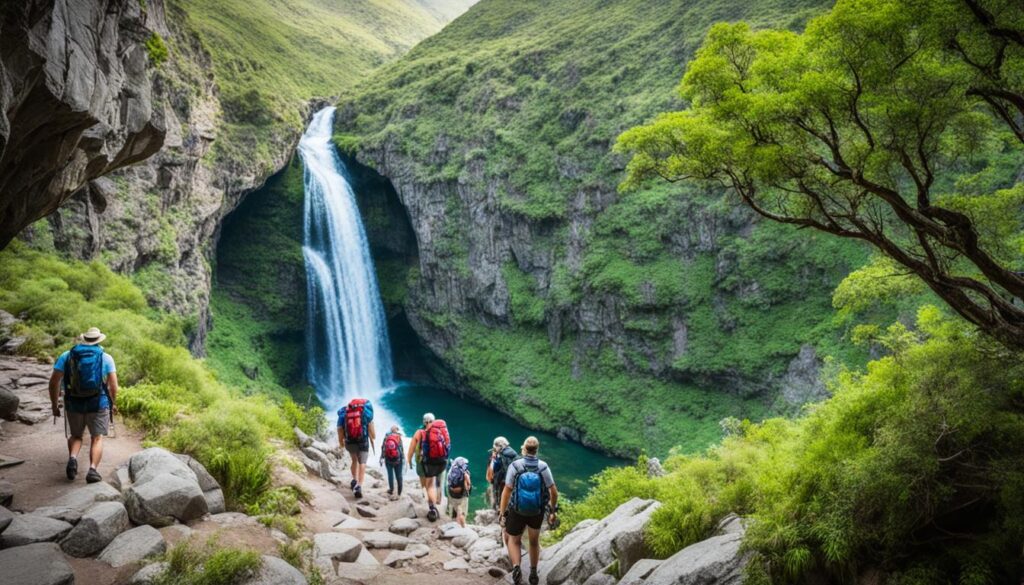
[{"x": 632, "y": 321}]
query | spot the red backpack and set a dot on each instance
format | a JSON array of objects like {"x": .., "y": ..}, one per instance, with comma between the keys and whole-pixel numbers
[
  {"x": 392, "y": 447},
  {"x": 355, "y": 420},
  {"x": 436, "y": 442}
]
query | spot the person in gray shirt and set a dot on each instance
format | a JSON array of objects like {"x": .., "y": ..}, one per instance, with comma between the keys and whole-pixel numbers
[{"x": 529, "y": 492}]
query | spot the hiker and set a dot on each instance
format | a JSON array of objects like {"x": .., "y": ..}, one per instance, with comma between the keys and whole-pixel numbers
[
  {"x": 502, "y": 455},
  {"x": 89, "y": 379},
  {"x": 355, "y": 435},
  {"x": 459, "y": 487},
  {"x": 529, "y": 492},
  {"x": 430, "y": 446},
  {"x": 392, "y": 452}
]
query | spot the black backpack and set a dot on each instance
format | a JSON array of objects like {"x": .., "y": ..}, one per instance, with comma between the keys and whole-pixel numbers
[{"x": 507, "y": 456}]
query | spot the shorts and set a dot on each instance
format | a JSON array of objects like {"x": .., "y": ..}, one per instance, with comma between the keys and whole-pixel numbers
[
  {"x": 419, "y": 468},
  {"x": 458, "y": 506},
  {"x": 98, "y": 423},
  {"x": 516, "y": 524},
  {"x": 433, "y": 469},
  {"x": 359, "y": 452}
]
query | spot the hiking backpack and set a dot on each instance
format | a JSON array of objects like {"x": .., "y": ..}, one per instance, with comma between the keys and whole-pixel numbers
[
  {"x": 506, "y": 458},
  {"x": 84, "y": 372},
  {"x": 392, "y": 448},
  {"x": 529, "y": 496},
  {"x": 457, "y": 481},
  {"x": 358, "y": 415},
  {"x": 436, "y": 442}
]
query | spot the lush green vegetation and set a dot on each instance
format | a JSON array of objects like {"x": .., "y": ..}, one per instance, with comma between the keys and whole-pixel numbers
[
  {"x": 912, "y": 468},
  {"x": 887, "y": 121},
  {"x": 209, "y": 564},
  {"x": 177, "y": 400},
  {"x": 270, "y": 58},
  {"x": 258, "y": 303},
  {"x": 523, "y": 100}
]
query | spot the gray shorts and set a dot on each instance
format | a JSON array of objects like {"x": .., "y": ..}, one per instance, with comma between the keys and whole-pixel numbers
[
  {"x": 360, "y": 453},
  {"x": 98, "y": 423}
]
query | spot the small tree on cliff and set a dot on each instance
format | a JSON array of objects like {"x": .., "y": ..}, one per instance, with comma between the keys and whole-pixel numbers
[{"x": 885, "y": 121}]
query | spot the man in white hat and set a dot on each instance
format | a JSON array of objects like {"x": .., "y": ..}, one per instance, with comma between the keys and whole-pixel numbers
[{"x": 90, "y": 393}]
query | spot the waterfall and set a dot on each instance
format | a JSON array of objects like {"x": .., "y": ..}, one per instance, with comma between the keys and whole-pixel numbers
[{"x": 346, "y": 335}]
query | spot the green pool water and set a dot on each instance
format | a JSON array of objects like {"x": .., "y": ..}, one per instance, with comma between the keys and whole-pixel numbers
[{"x": 473, "y": 427}]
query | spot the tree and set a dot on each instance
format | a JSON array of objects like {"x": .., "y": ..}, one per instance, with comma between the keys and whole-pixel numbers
[{"x": 895, "y": 122}]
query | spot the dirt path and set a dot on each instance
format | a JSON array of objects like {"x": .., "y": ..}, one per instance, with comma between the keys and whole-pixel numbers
[{"x": 40, "y": 480}]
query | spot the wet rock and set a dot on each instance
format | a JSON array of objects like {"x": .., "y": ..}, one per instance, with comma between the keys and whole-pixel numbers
[
  {"x": 29, "y": 529},
  {"x": 275, "y": 571},
  {"x": 404, "y": 526},
  {"x": 97, "y": 528},
  {"x": 338, "y": 547},
  {"x": 133, "y": 545},
  {"x": 379, "y": 539},
  {"x": 35, "y": 564}
]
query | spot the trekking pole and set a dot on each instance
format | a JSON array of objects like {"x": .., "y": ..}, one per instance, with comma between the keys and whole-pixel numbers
[{"x": 113, "y": 429}]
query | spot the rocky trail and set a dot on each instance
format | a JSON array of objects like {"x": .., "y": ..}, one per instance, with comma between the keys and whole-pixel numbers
[{"x": 56, "y": 532}]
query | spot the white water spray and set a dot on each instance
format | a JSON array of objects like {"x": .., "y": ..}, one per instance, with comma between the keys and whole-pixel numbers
[{"x": 346, "y": 336}]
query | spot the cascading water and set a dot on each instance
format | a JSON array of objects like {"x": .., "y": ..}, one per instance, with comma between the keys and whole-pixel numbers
[{"x": 346, "y": 337}]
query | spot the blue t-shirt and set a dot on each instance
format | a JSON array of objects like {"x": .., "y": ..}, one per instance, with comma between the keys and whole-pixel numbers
[{"x": 97, "y": 403}]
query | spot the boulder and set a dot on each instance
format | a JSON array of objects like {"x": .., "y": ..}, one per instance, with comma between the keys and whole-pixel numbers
[
  {"x": 397, "y": 559},
  {"x": 587, "y": 550},
  {"x": 148, "y": 574},
  {"x": 275, "y": 571},
  {"x": 419, "y": 550},
  {"x": 206, "y": 481},
  {"x": 338, "y": 547},
  {"x": 35, "y": 564},
  {"x": 639, "y": 572},
  {"x": 365, "y": 509},
  {"x": 215, "y": 501},
  {"x": 302, "y": 438},
  {"x": 6, "y": 493},
  {"x": 97, "y": 528},
  {"x": 350, "y": 523},
  {"x": 69, "y": 515},
  {"x": 715, "y": 561},
  {"x": 83, "y": 498},
  {"x": 133, "y": 546},
  {"x": 404, "y": 526},
  {"x": 29, "y": 529},
  {"x": 155, "y": 462},
  {"x": 602, "y": 578},
  {"x": 465, "y": 539},
  {"x": 6, "y": 516},
  {"x": 404, "y": 508},
  {"x": 451, "y": 530},
  {"x": 481, "y": 550},
  {"x": 9, "y": 402},
  {"x": 162, "y": 499},
  {"x": 380, "y": 539},
  {"x": 456, "y": 564}
]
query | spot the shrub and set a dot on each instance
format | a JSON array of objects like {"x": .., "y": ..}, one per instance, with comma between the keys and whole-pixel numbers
[
  {"x": 157, "y": 50},
  {"x": 189, "y": 564}
]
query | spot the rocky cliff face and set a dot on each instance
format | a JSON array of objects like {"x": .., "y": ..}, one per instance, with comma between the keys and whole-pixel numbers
[
  {"x": 76, "y": 102},
  {"x": 159, "y": 219}
]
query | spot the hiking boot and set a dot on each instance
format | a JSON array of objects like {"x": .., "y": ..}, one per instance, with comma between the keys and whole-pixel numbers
[
  {"x": 93, "y": 476},
  {"x": 72, "y": 468},
  {"x": 352, "y": 484},
  {"x": 391, "y": 493},
  {"x": 534, "y": 577},
  {"x": 517, "y": 575},
  {"x": 432, "y": 514},
  {"x": 359, "y": 491}
]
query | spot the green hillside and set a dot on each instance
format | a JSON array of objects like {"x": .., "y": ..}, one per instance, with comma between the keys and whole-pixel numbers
[{"x": 512, "y": 110}]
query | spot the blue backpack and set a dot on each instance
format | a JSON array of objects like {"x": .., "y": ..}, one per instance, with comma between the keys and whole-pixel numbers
[
  {"x": 83, "y": 372},
  {"x": 457, "y": 480},
  {"x": 529, "y": 497}
]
